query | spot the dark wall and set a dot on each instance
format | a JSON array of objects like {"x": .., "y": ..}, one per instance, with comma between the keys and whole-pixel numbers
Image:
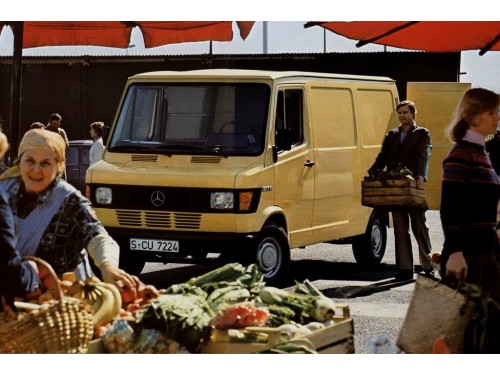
[{"x": 87, "y": 89}]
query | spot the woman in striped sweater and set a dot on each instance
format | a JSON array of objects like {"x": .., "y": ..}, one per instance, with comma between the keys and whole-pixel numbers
[
  {"x": 470, "y": 193},
  {"x": 469, "y": 198}
]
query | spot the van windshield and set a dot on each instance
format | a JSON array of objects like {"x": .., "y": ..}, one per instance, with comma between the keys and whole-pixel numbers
[{"x": 206, "y": 118}]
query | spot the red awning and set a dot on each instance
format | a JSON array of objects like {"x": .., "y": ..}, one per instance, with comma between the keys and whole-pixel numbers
[
  {"x": 117, "y": 33},
  {"x": 433, "y": 36}
]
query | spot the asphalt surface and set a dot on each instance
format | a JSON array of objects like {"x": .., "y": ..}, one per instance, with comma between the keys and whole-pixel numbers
[{"x": 378, "y": 304}]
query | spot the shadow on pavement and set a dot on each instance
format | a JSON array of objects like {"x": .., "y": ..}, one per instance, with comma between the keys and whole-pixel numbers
[
  {"x": 322, "y": 270},
  {"x": 362, "y": 291}
]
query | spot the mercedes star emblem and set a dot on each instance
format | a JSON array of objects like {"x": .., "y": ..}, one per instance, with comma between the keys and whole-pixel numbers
[{"x": 157, "y": 198}]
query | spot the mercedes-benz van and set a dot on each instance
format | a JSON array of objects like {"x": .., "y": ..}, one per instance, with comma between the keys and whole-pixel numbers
[{"x": 243, "y": 163}]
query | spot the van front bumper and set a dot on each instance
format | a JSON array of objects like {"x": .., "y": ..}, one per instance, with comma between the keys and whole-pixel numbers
[{"x": 189, "y": 243}]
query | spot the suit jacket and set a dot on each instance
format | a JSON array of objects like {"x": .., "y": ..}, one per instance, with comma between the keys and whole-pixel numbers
[{"x": 413, "y": 152}]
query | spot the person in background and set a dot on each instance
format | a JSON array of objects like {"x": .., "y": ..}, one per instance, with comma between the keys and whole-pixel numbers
[
  {"x": 17, "y": 276},
  {"x": 54, "y": 221},
  {"x": 37, "y": 125},
  {"x": 469, "y": 198},
  {"x": 97, "y": 148},
  {"x": 408, "y": 146},
  {"x": 493, "y": 149},
  {"x": 54, "y": 125}
]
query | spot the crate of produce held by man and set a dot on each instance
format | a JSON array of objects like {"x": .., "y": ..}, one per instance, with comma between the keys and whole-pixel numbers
[{"x": 392, "y": 190}]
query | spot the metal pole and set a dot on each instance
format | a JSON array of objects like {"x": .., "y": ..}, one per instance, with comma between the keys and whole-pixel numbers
[
  {"x": 16, "y": 85},
  {"x": 264, "y": 36},
  {"x": 324, "y": 40}
]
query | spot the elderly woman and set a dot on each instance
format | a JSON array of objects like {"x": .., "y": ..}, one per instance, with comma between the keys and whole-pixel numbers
[
  {"x": 53, "y": 220},
  {"x": 17, "y": 277}
]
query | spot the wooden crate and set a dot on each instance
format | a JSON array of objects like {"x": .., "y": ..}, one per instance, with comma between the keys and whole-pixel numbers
[
  {"x": 337, "y": 338},
  {"x": 392, "y": 194}
]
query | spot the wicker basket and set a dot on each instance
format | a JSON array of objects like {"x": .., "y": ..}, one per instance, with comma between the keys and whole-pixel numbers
[
  {"x": 60, "y": 326},
  {"x": 436, "y": 311}
]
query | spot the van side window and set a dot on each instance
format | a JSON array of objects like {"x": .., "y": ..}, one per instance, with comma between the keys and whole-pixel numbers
[{"x": 289, "y": 116}]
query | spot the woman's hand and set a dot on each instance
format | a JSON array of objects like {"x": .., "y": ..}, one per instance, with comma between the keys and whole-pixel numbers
[
  {"x": 457, "y": 266},
  {"x": 112, "y": 274}
]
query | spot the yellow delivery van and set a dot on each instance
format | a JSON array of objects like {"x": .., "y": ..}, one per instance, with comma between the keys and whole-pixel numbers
[{"x": 243, "y": 163}]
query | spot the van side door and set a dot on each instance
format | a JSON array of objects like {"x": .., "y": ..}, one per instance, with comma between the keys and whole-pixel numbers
[
  {"x": 294, "y": 169},
  {"x": 336, "y": 154}
]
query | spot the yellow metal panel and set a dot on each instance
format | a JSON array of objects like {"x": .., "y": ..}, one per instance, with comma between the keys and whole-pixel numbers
[{"x": 436, "y": 103}]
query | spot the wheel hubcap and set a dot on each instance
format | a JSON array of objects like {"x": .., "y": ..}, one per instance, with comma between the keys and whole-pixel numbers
[
  {"x": 376, "y": 240},
  {"x": 268, "y": 256}
]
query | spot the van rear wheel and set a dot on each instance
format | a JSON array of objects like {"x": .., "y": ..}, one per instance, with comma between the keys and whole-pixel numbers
[
  {"x": 369, "y": 248},
  {"x": 273, "y": 254}
]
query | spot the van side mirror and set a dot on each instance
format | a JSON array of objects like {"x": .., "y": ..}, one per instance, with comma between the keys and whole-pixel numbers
[{"x": 283, "y": 139}]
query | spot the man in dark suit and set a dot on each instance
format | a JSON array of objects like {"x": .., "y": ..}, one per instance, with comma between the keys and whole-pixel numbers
[{"x": 408, "y": 146}]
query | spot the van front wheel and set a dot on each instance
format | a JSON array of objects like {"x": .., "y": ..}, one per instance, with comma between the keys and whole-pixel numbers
[
  {"x": 369, "y": 248},
  {"x": 273, "y": 254}
]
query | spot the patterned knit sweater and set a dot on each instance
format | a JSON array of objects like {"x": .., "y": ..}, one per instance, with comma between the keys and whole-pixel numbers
[{"x": 469, "y": 198}]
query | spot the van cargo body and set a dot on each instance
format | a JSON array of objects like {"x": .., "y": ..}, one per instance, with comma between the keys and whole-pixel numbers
[{"x": 246, "y": 164}]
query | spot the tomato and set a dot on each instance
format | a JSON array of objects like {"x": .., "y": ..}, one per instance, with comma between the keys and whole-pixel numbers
[{"x": 129, "y": 295}]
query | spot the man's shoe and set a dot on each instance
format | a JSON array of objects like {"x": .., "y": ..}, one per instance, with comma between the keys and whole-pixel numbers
[{"x": 404, "y": 275}]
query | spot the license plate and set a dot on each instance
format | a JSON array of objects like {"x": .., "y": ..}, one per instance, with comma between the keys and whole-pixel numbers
[{"x": 143, "y": 244}]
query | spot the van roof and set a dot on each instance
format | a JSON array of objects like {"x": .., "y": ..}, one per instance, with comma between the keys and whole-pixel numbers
[{"x": 254, "y": 74}]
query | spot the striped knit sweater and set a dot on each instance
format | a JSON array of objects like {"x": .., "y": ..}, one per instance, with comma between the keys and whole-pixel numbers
[{"x": 469, "y": 198}]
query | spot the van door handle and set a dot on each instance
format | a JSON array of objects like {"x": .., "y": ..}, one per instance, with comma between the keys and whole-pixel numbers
[{"x": 309, "y": 163}]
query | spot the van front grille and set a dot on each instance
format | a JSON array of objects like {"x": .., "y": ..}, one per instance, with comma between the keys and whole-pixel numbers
[{"x": 158, "y": 219}]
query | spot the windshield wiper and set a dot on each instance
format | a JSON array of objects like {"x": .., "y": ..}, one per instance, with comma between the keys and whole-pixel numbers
[{"x": 130, "y": 148}]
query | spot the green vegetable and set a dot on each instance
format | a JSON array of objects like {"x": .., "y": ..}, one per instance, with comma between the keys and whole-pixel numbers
[
  {"x": 228, "y": 272},
  {"x": 323, "y": 308},
  {"x": 309, "y": 305},
  {"x": 184, "y": 318},
  {"x": 230, "y": 295},
  {"x": 186, "y": 288},
  {"x": 279, "y": 315}
]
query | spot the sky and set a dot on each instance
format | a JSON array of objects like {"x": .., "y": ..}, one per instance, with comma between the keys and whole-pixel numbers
[{"x": 284, "y": 33}]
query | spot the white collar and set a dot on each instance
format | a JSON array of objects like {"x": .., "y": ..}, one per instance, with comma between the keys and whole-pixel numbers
[{"x": 474, "y": 137}]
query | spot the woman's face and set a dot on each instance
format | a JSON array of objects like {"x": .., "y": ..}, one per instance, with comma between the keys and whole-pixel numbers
[
  {"x": 93, "y": 134},
  {"x": 486, "y": 123},
  {"x": 39, "y": 168}
]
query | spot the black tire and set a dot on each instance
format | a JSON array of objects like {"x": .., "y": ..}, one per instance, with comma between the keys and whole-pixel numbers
[
  {"x": 272, "y": 254},
  {"x": 369, "y": 248}
]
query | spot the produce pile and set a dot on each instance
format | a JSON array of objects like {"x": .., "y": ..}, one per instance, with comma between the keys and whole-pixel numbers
[
  {"x": 395, "y": 174},
  {"x": 182, "y": 318}
]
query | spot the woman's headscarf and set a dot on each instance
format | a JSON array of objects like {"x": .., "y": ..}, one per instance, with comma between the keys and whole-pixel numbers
[{"x": 38, "y": 139}]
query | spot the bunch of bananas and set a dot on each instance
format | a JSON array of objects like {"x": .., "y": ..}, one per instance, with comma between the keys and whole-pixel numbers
[{"x": 104, "y": 299}]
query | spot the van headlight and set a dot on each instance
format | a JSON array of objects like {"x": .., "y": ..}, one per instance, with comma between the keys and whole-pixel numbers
[
  {"x": 222, "y": 200},
  {"x": 103, "y": 195}
]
